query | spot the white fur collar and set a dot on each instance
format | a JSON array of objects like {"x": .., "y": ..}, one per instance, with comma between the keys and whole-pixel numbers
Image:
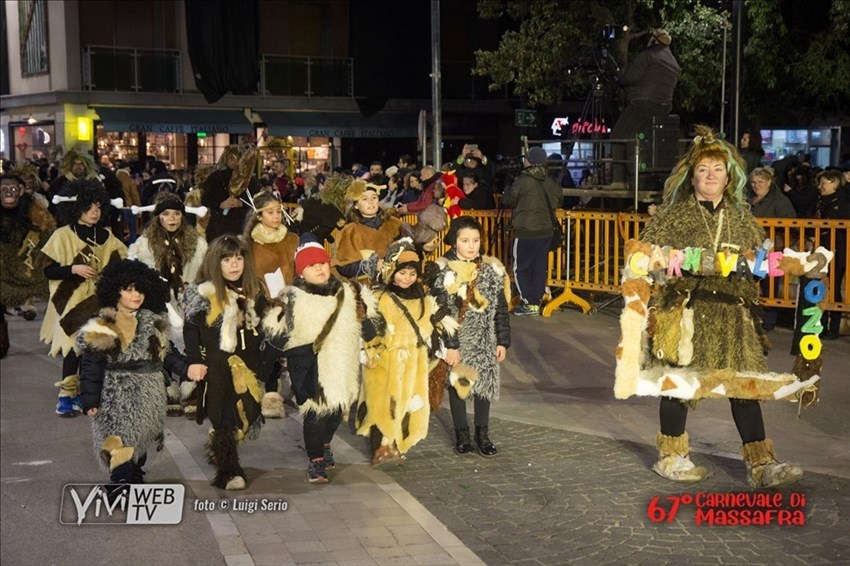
[{"x": 261, "y": 234}]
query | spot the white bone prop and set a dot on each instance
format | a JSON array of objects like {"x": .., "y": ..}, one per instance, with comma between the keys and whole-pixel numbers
[
  {"x": 140, "y": 209},
  {"x": 116, "y": 202},
  {"x": 199, "y": 211}
]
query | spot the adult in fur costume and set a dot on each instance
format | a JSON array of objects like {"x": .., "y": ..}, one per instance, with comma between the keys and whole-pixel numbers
[
  {"x": 703, "y": 208},
  {"x": 227, "y": 211},
  {"x": 74, "y": 258},
  {"x": 476, "y": 291},
  {"x": 393, "y": 408},
  {"x": 272, "y": 247},
  {"x": 324, "y": 216},
  {"x": 174, "y": 249},
  {"x": 222, "y": 334},
  {"x": 367, "y": 235},
  {"x": 124, "y": 351},
  {"x": 25, "y": 226},
  {"x": 76, "y": 165},
  {"x": 316, "y": 324}
]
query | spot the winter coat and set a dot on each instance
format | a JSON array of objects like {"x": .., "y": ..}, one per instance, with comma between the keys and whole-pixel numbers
[
  {"x": 481, "y": 198},
  {"x": 774, "y": 205},
  {"x": 121, "y": 373},
  {"x": 273, "y": 251},
  {"x": 214, "y": 192},
  {"x": 227, "y": 339},
  {"x": 72, "y": 301},
  {"x": 485, "y": 324},
  {"x": 359, "y": 240},
  {"x": 726, "y": 315},
  {"x": 194, "y": 249},
  {"x": 24, "y": 230},
  {"x": 318, "y": 329},
  {"x": 652, "y": 76},
  {"x": 531, "y": 219},
  {"x": 394, "y": 393}
]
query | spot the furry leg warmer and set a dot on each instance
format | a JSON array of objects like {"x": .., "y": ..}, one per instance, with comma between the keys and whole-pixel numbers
[
  {"x": 764, "y": 470},
  {"x": 114, "y": 453},
  {"x": 674, "y": 461},
  {"x": 224, "y": 456},
  {"x": 272, "y": 406}
]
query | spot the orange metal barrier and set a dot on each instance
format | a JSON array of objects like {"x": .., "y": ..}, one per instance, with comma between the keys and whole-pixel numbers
[{"x": 592, "y": 256}]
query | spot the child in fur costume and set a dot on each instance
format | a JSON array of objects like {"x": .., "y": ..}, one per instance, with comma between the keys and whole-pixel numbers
[
  {"x": 25, "y": 226},
  {"x": 476, "y": 290},
  {"x": 703, "y": 208},
  {"x": 222, "y": 334},
  {"x": 317, "y": 323},
  {"x": 272, "y": 247},
  {"x": 74, "y": 258},
  {"x": 393, "y": 408},
  {"x": 174, "y": 249},
  {"x": 124, "y": 352},
  {"x": 366, "y": 237}
]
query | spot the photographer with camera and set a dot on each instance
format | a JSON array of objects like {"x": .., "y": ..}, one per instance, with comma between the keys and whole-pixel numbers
[
  {"x": 471, "y": 159},
  {"x": 533, "y": 196},
  {"x": 649, "y": 82}
]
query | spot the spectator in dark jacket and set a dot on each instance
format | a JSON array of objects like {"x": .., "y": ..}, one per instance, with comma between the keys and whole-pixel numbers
[
  {"x": 532, "y": 221},
  {"x": 801, "y": 191},
  {"x": 833, "y": 204},
  {"x": 479, "y": 195}
]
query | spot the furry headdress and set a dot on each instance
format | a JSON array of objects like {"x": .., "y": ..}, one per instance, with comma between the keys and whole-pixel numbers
[
  {"x": 334, "y": 192},
  {"x": 432, "y": 222},
  {"x": 87, "y": 192},
  {"x": 229, "y": 151},
  {"x": 707, "y": 145},
  {"x": 357, "y": 189},
  {"x": 74, "y": 155},
  {"x": 27, "y": 173},
  {"x": 118, "y": 275},
  {"x": 400, "y": 254}
]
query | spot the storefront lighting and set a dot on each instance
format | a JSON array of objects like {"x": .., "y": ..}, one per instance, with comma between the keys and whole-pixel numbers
[
  {"x": 84, "y": 129},
  {"x": 31, "y": 120}
]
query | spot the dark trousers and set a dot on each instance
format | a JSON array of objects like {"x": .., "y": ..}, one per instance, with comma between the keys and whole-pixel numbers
[
  {"x": 70, "y": 364},
  {"x": 635, "y": 118},
  {"x": 530, "y": 268},
  {"x": 746, "y": 412},
  {"x": 319, "y": 431},
  {"x": 458, "y": 407}
]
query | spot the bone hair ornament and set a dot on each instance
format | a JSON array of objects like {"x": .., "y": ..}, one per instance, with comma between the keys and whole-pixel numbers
[
  {"x": 199, "y": 211},
  {"x": 116, "y": 202}
]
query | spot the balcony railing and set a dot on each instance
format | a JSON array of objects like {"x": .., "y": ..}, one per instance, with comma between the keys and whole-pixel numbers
[
  {"x": 282, "y": 75},
  {"x": 127, "y": 69}
]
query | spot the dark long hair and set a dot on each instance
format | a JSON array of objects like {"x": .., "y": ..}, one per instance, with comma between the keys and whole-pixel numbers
[{"x": 223, "y": 247}]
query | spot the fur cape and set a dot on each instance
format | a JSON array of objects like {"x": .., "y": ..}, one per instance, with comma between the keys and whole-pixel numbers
[
  {"x": 274, "y": 251},
  {"x": 477, "y": 332},
  {"x": 356, "y": 241},
  {"x": 698, "y": 336},
  {"x": 303, "y": 313},
  {"x": 230, "y": 340},
  {"x": 132, "y": 398},
  {"x": 23, "y": 232},
  {"x": 394, "y": 393},
  {"x": 72, "y": 300},
  {"x": 153, "y": 255}
]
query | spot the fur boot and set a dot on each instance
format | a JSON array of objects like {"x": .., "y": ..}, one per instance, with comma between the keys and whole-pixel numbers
[
  {"x": 68, "y": 404},
  {"x": 674, "y": 461},
  {"x": 121, "y": 466},
  {"x": 764, "y": 470},
  {"x": 224, "y": 456},
  {"x": 272, "y": 405},
  {"x": 174, "y": 408},
  {"x": 188, "y": 399}
]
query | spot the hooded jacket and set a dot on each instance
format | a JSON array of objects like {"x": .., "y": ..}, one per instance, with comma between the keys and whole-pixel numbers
[{"x": 531, "y": 215}]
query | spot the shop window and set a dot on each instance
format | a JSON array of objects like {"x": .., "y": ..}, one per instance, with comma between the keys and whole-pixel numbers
[
  {"x": 33, "y": 141},
  {"x": 32, "y": 18}
]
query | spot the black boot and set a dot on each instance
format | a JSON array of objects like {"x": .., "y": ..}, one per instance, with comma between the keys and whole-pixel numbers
[
  {"x": 4, "y": 338},
  {"x": 485, "y": 447},
  {"x": 224, "y": 456},
  {"x": 120, "y": 479},
  {"x": 464, "y": 443},
  {"x": 138, "y": 469}
]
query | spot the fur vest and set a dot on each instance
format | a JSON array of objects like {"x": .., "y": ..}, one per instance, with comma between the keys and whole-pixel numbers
[
  {"x": 394, "y": 393},
  {"x": 357, "y": 241},
  {"x": 228, "y": 341},
  {"x": 193, "y": 252},
  {"x": 122, "y": 365},
  {"x": 23, "y": 231},
  {"x": 485, "y": 324},
  {"x": 274, "y": 251},
  {"x": 303, "y": 314},
  {"x": 72, "y": 301}
]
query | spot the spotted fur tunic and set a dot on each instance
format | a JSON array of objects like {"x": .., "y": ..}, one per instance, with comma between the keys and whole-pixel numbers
[
  {"x": 485, "y": 324},
  {"x": 122, "y": 373}
]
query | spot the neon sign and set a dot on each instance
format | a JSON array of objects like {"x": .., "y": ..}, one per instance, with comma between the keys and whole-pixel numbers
[{"x": 581, "y": 126}]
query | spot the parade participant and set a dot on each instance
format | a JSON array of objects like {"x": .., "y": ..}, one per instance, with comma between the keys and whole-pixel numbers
[
  {"x": 174, "y": 249},
  {"x": 222, "y": 334},
  {"x": 73, "y": 259},
  {"x": 317, "y": 326},
  {"x": 393, "y": 407},
  {"x": 224, "y": 188},
  {"x": 195, "y": 196},
  {"x": 272, "y": 248},
  {"x": 25, "y": 226},
  {"x": 323, "y": 216},
  {"x": 703, "y": 208},
  {"x": 366, "y": 236},
  {"x": 75, "y": 165},
  {"x": 476, "y": 290},
  {"x": 123, "y": 353}
]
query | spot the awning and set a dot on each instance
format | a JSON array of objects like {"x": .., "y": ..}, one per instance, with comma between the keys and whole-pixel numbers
[
  {"x": 173, "y": 120},
  {"x": 340, "y": 124}
]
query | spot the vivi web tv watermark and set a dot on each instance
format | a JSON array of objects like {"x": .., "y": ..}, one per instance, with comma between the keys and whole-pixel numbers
[{"x": 136, "y": 504}]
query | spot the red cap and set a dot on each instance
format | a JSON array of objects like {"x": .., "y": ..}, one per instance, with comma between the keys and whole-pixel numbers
[{"x": 308, "y": 254}]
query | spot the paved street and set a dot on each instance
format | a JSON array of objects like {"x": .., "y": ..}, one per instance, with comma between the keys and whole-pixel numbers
[{"x": 571, "y": 484}]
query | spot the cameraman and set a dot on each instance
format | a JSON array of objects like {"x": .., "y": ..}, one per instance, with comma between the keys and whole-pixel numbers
[{"x": 649, "y": 82}]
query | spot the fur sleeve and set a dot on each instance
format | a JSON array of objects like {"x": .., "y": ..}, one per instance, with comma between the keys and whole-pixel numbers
[
  {"x": 98, "y": 335},
  {"x": 193, "y": 302}
]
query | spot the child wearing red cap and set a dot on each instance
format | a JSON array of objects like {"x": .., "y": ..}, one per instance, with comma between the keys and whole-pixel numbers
[{"x": 317, "y": 324}]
